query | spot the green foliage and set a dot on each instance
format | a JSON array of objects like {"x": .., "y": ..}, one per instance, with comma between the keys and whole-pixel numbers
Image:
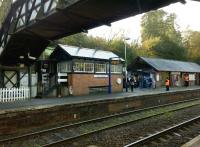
[
  {"x": 192, "y": 43},
  {"x": 153, "y": 24},
  {"x": 83, "y": 40},
  {"x": 160, "y": 24},
  {"x": 116, "y": 45},
  {"x": 161, "y": 37},
  {"x": 169, "y": 49}
]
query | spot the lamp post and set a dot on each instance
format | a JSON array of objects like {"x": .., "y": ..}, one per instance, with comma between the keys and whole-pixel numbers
[
  {"x": 126, "y": 78},
  {"x": 109, "y": 77}
]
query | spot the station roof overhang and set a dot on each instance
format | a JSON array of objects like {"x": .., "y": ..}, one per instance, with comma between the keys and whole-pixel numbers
[
  {"x": 87, "y": 14},
  {"x": 77, "y": 17},
  {"x": 164, "y": 65}
]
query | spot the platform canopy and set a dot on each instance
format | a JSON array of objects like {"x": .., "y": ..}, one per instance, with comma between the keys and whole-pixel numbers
[
  {"x": 169, "y": 65},
  {"x": 66, "y": 52}
]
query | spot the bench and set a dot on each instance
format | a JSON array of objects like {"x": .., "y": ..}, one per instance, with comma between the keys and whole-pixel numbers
[{"x": 98, "y": 89}]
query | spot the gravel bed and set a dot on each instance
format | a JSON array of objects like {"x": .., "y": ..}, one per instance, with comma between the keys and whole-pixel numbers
[
  {"x": 106, "y": 139},
  {"x": 124, "y": 135}
]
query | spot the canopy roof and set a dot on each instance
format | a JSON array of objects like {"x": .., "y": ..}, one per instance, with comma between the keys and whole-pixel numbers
[
  {"x": 171, "y": 65},
  {"x": 87, "y": 53}
]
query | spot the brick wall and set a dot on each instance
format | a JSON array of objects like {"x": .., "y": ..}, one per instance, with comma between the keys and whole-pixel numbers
[{"x": 81, "y": 83}]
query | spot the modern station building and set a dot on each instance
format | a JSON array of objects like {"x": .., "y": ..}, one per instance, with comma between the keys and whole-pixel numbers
[
  {"x": 73, "y": 70},
  {"x": 154, "y": 70}
]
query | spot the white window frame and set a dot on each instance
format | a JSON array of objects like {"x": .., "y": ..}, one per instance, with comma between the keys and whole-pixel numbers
[
  {"x": 114, "y": 68},
  {"x": 91, "y": 67},
  {"x": 100, "y": 66},
  {"x": 83, "y": 64}
]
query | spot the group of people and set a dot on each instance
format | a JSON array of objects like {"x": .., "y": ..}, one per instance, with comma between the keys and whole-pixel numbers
[
  {"x": 134, "y": 82},
  {"x": 186, "y": 82}
]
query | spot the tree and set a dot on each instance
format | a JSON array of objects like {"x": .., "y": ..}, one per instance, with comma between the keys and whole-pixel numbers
[
  {"x": 83, "y": 40},
  {"x": 166, "y": 48},
  {"x": 116, "y": 45},
  {"x": 161, "y": 37},
  {"x": 152, "y": 24},
  {"x": 192, "y": 43}
]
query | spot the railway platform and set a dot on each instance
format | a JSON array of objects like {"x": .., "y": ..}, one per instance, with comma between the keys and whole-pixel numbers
[
  {"x": 33, "y": 113},
  {"x": 193, "y": 143},
  {"x": 37, "y": 103}
]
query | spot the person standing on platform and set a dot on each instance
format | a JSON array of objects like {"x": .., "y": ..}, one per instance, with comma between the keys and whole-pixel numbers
[
  {"x": 132, "y": 83},
  {"x": 186, "y": 79},
  {"x": 167, "y": 83}
]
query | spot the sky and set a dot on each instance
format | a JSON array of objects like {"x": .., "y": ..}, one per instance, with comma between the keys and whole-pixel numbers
[{"x": 188, "y": 16}]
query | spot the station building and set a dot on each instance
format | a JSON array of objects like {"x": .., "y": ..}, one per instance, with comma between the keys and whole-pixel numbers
[
  {"x": 152, "y": 72},
  {"x": 77, "y": 71}
]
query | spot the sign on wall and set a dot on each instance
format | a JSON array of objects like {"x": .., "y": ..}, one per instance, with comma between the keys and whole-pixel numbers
[{"x": 100, "y": 76}]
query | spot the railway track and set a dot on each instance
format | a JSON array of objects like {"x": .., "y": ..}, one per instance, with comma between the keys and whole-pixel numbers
[
  {"x": 60, "y": 135},
  {"x": 157, "y": 138}
]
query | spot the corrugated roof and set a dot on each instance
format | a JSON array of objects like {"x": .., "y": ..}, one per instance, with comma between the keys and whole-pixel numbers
[
  {"x": 171, "y": 65},
  {"x": 88, "y": 53}
]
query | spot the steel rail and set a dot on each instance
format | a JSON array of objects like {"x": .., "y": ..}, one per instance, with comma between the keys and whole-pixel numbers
[
  {"x": 20, "y": 137},
  {"x": 70, "y": 139},
  {"x": 163, "y": 132}
]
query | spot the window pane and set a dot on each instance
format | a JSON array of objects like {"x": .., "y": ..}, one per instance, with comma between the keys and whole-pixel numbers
[
  {"x": 101, "y": 68},
  {"x": 89, "y": 67},
  {"x": 79, "y": 67},
  {"x": 64, "y": 67},
  {"x": 116, "y": 68},
  {"x": 83, "y": 67}
]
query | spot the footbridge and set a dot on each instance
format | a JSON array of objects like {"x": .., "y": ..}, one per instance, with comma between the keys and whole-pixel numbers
[{"x": 30, "y": 25}]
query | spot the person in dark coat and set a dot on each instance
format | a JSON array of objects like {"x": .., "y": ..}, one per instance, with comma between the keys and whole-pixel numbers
[{"x": 132, "y": 83}]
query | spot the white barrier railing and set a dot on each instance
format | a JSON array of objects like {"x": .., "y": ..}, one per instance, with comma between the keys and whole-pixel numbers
[{"x": 14, "y": 94}]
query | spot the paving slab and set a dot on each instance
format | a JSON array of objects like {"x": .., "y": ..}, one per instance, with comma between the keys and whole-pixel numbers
[{"x": 193, "y": 143}]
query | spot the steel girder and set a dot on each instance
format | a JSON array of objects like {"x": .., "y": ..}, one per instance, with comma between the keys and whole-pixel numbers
[{"x": 32, "y": 23}]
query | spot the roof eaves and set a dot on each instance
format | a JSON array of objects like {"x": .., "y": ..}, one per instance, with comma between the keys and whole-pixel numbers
[{"x": 144, "y": 59}]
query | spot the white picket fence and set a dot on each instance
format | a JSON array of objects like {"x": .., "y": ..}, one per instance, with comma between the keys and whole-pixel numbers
[{"x": 13, "y": 94}]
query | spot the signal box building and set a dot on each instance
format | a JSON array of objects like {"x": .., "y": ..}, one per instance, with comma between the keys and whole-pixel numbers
[
  {"x": 154, "y": 70},
  {"x": 80, "y": 71}
]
